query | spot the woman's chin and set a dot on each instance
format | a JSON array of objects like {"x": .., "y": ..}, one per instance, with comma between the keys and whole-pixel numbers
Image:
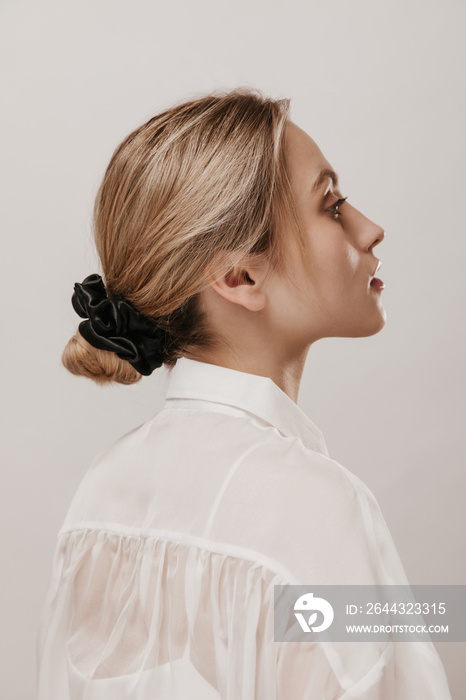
[
  {"x": 368, "y": 327},
  {"x": 379, "y": 322}
]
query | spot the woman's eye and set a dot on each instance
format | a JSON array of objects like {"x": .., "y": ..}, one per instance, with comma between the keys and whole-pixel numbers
[{"x": 334, "y": 208}]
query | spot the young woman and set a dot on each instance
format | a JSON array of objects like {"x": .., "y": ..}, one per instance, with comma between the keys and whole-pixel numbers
[{"x": 227, "y": 249}]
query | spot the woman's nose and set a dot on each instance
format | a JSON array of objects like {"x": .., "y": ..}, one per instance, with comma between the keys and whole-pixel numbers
[
  {"x": 378, "y": 234},
  {"x": 368, "y": 233}
]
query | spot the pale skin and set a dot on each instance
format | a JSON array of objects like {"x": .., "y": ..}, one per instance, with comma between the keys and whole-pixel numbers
[{"x": 268, "y": 326}]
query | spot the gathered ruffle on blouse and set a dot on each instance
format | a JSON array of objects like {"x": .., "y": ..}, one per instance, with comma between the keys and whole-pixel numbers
[{"x": 144, "y": 617}]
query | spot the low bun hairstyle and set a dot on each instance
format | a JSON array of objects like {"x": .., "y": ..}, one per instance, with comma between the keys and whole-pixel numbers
[{"x": 201, "y": 178}]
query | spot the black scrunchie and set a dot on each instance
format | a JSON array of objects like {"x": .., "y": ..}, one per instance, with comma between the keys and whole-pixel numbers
[{"x": 117, "y": 326}]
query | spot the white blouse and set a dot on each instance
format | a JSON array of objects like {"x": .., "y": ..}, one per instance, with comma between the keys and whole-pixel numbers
[{"x": 163, "y": 577}]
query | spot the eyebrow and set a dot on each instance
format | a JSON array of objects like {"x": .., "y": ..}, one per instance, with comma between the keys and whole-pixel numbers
[{"x": 323, "y": 176}]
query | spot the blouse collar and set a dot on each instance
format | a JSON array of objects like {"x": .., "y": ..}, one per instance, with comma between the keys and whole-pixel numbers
[{"x": 260, "y": 396}]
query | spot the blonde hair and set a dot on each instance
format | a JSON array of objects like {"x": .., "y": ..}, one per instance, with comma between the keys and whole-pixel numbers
[{"x": 204, "y": 177}]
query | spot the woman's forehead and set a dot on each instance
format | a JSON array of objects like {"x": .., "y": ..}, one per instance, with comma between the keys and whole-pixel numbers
[{"x": 307, "y": 166}]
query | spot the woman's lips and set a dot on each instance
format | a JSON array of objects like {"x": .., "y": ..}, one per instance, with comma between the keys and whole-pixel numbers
[{"x": 376, "y": 283}]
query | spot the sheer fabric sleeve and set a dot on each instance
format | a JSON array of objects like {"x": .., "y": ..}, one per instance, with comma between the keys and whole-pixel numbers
[
  {"x": 354, "y": 546},
  {"x": 115, "y": 623}
]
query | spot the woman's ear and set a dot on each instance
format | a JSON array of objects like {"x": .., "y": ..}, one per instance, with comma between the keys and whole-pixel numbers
[{"x": 242, "y": 283}]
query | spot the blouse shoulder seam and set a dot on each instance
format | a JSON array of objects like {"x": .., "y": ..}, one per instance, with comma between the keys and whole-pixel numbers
[{"x": 258, "y": 421}]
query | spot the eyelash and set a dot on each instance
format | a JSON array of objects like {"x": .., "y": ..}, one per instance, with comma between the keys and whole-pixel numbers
[{"x": 334, "y": 207}]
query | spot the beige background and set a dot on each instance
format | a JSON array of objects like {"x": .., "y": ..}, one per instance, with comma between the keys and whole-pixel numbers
[{"x": 380, "y": 87}]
